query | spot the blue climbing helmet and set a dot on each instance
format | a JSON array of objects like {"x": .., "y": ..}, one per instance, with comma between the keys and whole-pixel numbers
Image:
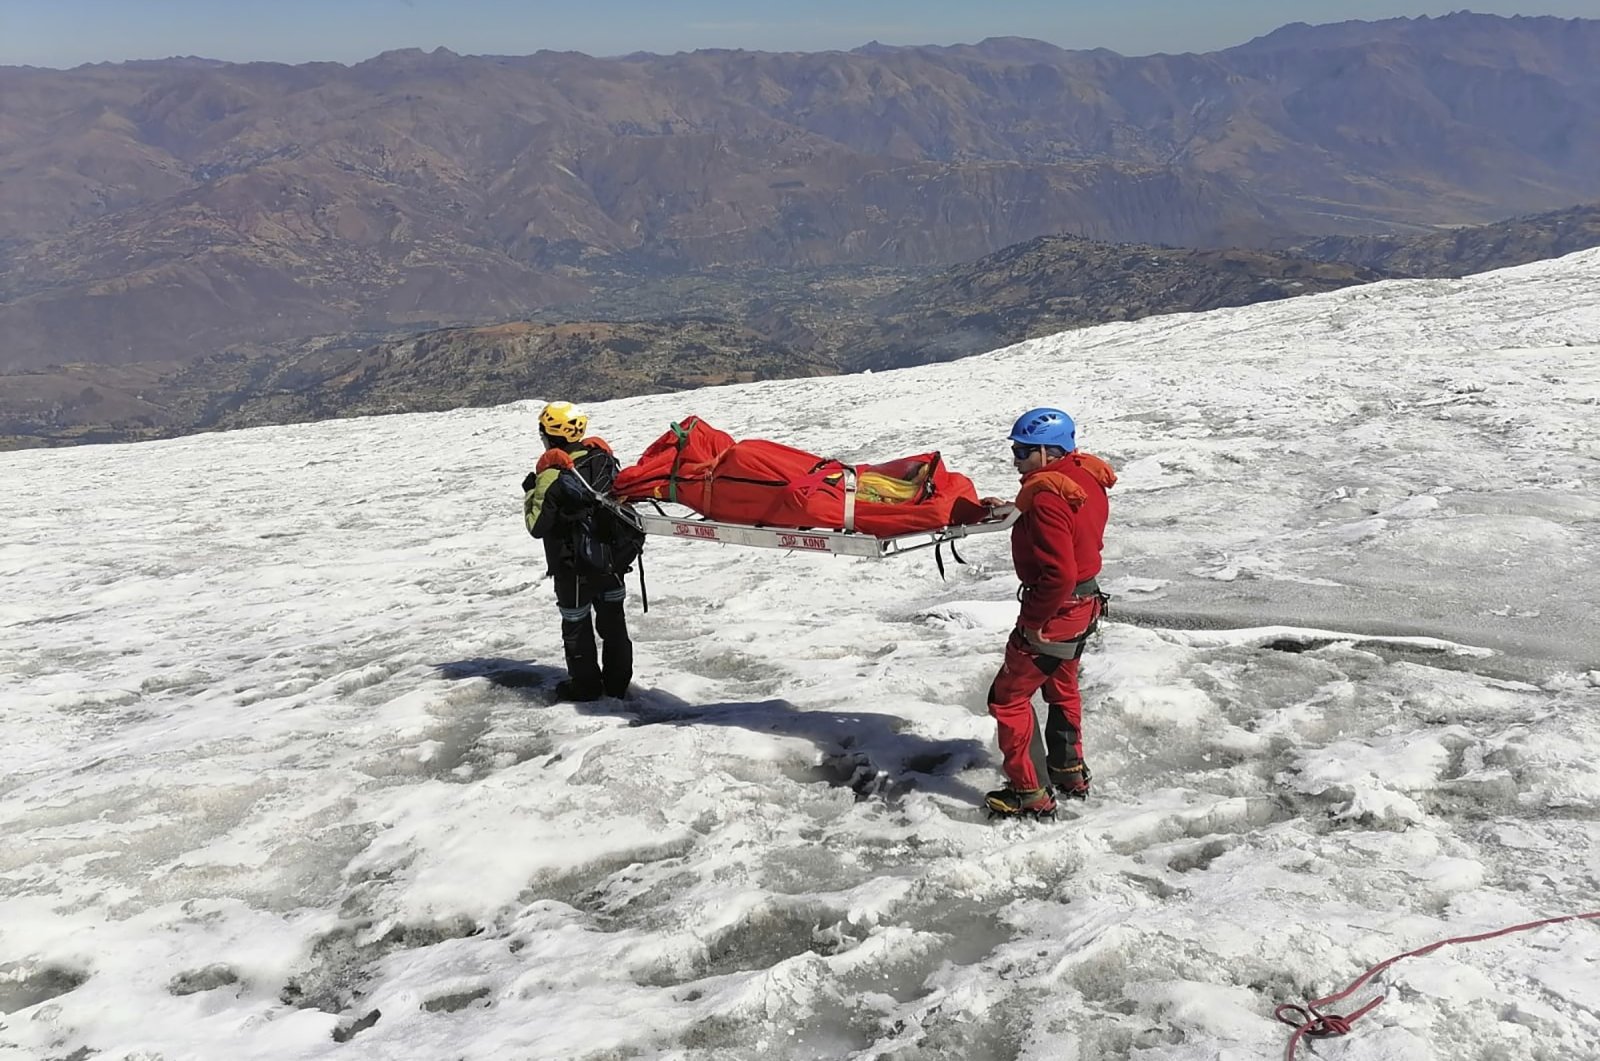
[{"x": 1045, "y": 427}]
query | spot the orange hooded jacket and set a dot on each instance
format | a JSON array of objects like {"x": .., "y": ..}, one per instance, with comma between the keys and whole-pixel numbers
[{"x": 1056, "y": 543}]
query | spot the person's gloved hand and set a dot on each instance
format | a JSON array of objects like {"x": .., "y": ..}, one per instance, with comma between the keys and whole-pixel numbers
[
  {"x": 529, "y": 480},
  {"x": 997, "y": 507}
]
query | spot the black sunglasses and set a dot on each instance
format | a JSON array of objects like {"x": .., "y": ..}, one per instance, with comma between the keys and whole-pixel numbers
[{"x": 1022, "y": 453}]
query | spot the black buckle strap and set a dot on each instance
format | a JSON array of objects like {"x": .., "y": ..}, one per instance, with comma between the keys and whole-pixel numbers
[
  {"x": 644, "y": 594},
  {"x": 939, "y": 559}
]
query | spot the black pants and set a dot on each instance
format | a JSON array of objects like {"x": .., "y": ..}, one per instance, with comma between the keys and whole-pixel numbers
[{"x": 589, "y": 605}]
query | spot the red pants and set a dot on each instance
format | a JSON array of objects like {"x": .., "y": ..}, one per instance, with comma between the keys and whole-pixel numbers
[{"x": 1011, "y": 703}]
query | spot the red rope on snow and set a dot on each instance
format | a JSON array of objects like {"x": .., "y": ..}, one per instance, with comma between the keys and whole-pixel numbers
[{"x": 1308, "y": 1023}]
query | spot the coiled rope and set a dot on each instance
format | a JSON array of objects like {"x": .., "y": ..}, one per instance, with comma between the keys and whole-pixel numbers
[{"x": 1308, "y": 1022}]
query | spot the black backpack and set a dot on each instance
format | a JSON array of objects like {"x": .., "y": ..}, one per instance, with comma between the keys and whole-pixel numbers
[{"x": 604, "y": 542}]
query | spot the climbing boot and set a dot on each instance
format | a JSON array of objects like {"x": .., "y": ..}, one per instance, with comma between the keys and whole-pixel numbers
[
  {"x": 577, "y": 692},
  {"x": 1012, "y": 803},
  {"x": 1071, "y": 781}
]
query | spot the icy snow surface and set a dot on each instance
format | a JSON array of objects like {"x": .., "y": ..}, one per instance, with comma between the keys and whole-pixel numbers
[{"x": 280, "y": 776}]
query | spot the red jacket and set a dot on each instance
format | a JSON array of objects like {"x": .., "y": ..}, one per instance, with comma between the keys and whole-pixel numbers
[{"x": 1057, "y": 541}]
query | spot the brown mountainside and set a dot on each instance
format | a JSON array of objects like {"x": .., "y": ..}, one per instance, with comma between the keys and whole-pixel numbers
[
  {"x": 582, "y": 361},
  {"x": 793, "y": 323},
  {"x": 1054, "y": 283},
  {"x": 1466, "y": 250},
  {"x": 444, "y": 369},
  {"x": 168, "y": 210},
  {"x": 829, "y": 322}
]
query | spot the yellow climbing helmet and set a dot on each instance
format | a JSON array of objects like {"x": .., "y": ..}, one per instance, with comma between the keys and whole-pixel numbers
[{"x": 564, "y": 420}]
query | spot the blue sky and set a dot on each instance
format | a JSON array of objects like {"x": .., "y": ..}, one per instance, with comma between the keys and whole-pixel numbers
[{"x": 68, "y": 32}]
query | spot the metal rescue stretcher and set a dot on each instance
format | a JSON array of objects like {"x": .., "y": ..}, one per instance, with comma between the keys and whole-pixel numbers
[{"x": 846, "y": 542}]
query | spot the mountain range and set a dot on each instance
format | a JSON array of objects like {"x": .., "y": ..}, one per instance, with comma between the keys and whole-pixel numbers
[
  {"x": 168, "y": 211},
  {"x": 736, "y": 326}
]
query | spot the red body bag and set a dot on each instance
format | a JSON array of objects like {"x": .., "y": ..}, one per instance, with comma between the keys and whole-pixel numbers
[{"x": 767, "y": 484}]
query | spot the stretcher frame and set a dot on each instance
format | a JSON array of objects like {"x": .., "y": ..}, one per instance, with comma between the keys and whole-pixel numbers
[{"x": 695, "y": 528}]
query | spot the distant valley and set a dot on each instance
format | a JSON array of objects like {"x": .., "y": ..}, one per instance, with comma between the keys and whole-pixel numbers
[{"x": 732, "y": 326}]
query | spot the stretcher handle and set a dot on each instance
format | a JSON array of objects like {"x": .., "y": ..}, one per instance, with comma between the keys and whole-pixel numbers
[{"x": 849, "y": 499}]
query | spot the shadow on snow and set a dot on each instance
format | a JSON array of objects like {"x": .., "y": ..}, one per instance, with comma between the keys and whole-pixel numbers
[{"x": 865, "y": 751}]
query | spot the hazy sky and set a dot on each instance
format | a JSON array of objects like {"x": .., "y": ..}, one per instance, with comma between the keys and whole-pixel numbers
[{"x": 68, "y": 32}]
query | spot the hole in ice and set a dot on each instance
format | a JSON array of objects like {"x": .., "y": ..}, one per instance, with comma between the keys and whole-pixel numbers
[
  {"x": 461, "y": 749},
  {"x": 950, "y": 931},
  {"x": 340, "y": 963},
  {"x": 811, "y": 867},
  {"x": 1198, "y": 857},
  {"x": 632, "y": 895},
  {"x": 837, "y": 771},
  {"x": 718, "y": 1033},
  {"x": 453, "y": 1002},
  {"x": 21, "y": 988},
  {"x": 618, "y": 890},
  {"x": 1480, "y": 798},
  {"x": 1298, "y": 645},
  {"x": 1155, "y": 886},
  {"x": 410, "y": 937},
  {"x": 732, "y": 666},
  {"x": 207, "y": 979},
  {"x": 766, "y": 936},
  {"x": 827, "y": 1032},
  {"x": 996, "y": 1036},
  {"x": 346, "y": 1032}
]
